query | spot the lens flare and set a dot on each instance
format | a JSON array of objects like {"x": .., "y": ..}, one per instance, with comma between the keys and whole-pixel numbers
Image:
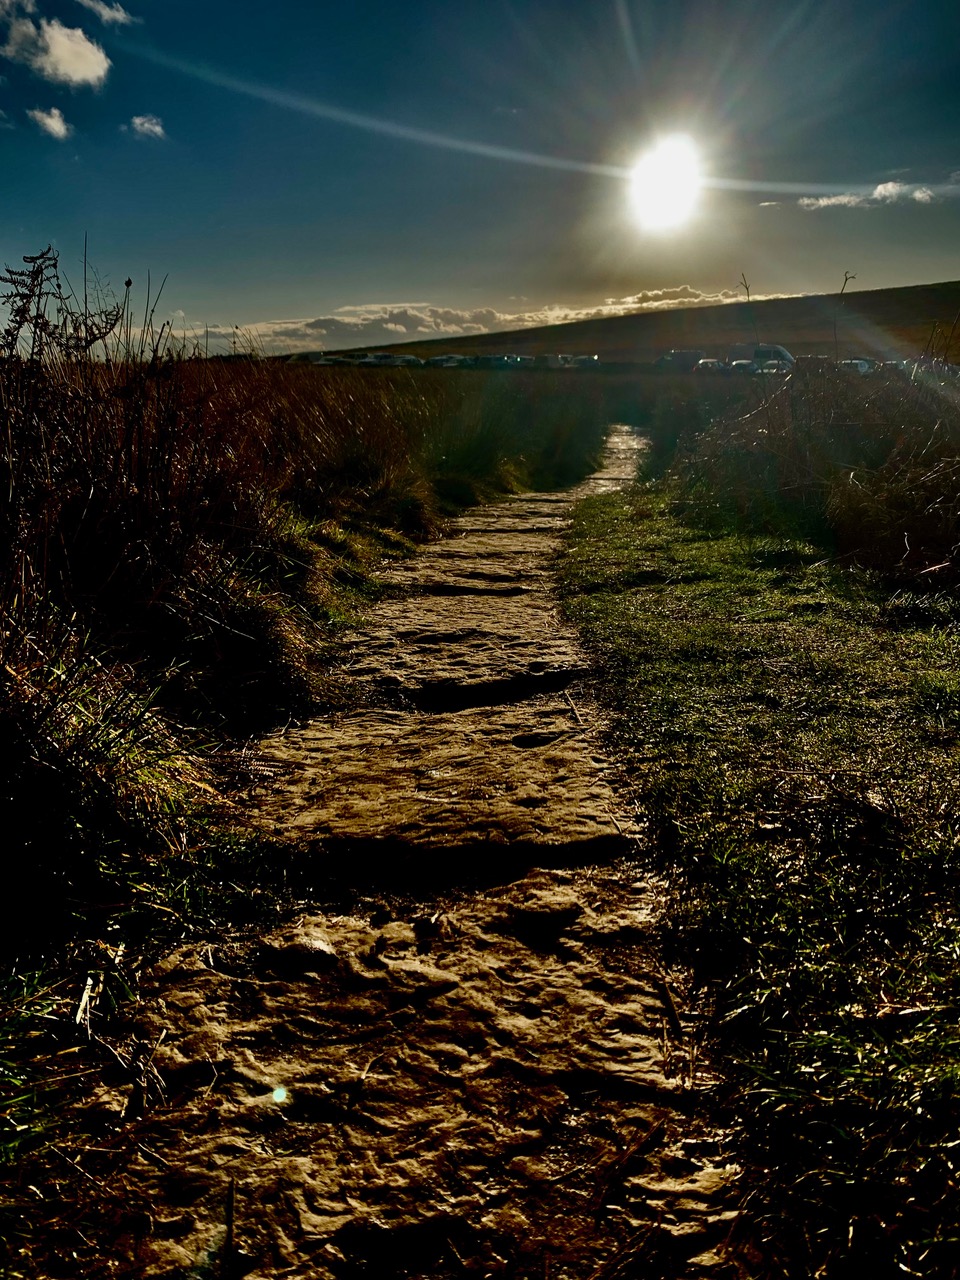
[{"x": 665, "y": 184}]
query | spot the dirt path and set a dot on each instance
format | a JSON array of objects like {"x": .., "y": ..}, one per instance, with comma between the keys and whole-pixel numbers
[
  {"x": 477, "y": 1069},
  {"x": 481, "y": 740}
]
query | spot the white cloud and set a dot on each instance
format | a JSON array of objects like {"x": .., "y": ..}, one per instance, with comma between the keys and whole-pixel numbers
[
  {"x": 64, "y": 55},
  {"x": 51, "y": 122},
  {"x": 5, "y": 121},
  {"x": 892, "y": 192},
  {"x": 111, "y": 14},
  {"x": 682, "y": 295},
  {"x": 883, "y": 193},
  {"x": 379, "y": 324},
  {"x": 148, "y": 127}
]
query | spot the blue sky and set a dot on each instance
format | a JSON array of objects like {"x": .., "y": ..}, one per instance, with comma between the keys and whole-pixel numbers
[{"x": 335, "y": 172}]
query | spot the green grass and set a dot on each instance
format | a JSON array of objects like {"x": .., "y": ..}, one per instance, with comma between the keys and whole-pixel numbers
[{"x": 791, "y": 732}]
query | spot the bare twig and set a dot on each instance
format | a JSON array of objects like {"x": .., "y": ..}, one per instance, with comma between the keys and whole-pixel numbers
[{"x": 572, "y": 706}]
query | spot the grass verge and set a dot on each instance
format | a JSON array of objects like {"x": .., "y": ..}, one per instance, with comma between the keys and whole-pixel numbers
[{"x": 790, "y": 729}]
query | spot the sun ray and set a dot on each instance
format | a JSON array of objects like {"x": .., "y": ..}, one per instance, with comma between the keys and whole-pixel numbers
[
  {"x": 307, "y": 106},
  {"x": 371, "y": 124}
]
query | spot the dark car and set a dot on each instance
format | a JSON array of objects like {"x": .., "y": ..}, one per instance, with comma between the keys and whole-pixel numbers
[{"x": 677, "y": 361}]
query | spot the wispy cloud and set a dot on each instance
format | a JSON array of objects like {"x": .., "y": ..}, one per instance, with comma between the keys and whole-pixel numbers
[
  {"x": 63, "y": 55},
  {"x": 148, "y": 127},
  {"x": 51, "y": 122},
  {"x": 884, "y": 193},
  {"x": 847, "y": 201},
  {"x": 111, "y": 14}
]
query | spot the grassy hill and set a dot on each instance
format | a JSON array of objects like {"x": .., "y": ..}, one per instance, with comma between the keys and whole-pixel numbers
[{"x": 878, "y": 322}]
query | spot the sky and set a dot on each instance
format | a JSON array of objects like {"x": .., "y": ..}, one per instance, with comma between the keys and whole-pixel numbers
[{"x": 319, "y": 174}]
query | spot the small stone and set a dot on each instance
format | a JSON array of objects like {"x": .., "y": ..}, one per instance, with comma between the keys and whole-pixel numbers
[
  {"x": 174, "y": 1228},
  {"x": 299, "y": 951}
]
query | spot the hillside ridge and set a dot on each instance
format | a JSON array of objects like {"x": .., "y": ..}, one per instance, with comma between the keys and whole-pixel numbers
[{"x": 885, "y": 322}]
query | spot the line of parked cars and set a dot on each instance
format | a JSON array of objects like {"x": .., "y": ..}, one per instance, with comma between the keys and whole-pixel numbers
[
  {"x": 766, "y": 358},
  {"x": 393, "y": 360},
  {"x": 774, "y": 359}
]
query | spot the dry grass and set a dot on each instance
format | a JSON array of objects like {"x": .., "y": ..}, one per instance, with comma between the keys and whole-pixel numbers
[
  {"x": 181, "y": 539},
  {"x": 868, "y": 464}
]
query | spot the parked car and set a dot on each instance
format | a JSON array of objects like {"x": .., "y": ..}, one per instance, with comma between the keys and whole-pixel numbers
[
  {"x": 389, "y": 360},
  {"x": 711, "y": 366},
  {"x": 856, "y": 366},
  {"x": 678, "y": 361},
  {"x": 744, "y": 366},
  {"x": 776, "y": 366},
  {"x": 760, "y": 353}
]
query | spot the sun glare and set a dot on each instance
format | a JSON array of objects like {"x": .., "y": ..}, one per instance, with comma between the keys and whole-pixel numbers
[{"x": 665, "y": 184}]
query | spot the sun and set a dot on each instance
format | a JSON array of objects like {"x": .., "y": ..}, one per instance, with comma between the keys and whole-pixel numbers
[{"x": 665, "y": 184}]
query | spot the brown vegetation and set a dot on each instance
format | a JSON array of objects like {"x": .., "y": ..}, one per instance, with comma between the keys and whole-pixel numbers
[{"x": 177, "y": 537}]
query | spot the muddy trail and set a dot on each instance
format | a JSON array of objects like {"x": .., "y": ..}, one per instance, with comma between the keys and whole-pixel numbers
[{"x": 473, "y": 1066}]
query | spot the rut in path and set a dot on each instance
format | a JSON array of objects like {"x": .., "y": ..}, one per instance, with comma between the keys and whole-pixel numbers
[{"x": 486, "y": 1074}]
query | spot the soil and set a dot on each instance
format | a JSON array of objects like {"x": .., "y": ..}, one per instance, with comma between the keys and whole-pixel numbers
[{"x": 476, "y": 1066}]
